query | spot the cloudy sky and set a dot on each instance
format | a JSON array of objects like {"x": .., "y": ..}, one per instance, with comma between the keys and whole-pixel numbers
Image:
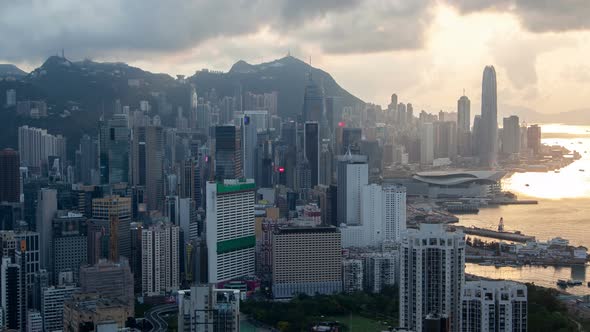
[{"x": 427, "y": 51}]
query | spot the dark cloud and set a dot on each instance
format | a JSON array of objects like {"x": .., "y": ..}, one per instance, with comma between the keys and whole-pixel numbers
[{"x": 536, "y": 15}]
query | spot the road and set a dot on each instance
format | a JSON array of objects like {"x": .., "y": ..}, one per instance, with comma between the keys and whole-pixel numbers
[{"x": 154, "y": 316}]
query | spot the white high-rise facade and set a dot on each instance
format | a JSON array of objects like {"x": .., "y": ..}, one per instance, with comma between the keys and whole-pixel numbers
[
  {"x": 205, "y": 308},
  {"x": 230, "y": 229},
  {"x": 35, "y": 145},
  {"x": 394, "y": 204},
  {"x": 353, "y": 174},
  {"x": 432, "y": 275},
  {"x": 383, "y": 213},
  {"x": 160, "y": 270},
  {"x": 427, "y": 144},
  {"x": 494, "y": 306}
]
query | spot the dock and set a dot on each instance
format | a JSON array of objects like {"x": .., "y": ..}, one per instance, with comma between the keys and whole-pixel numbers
[
  {"x": 508, "y": 236},
  {"x": 514, "y": 202}
]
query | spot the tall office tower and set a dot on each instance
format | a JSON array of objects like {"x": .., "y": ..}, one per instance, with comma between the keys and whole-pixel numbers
[
  {"x": 187, "y": 212},
  {"x": 265, "y": 166},
  {"x": 511, "y": 135},
  {"x": 148, "y": 153},
  {"x": 10, "y": 97},
  {"x": 488, "y": 147},
  {"x": 114, "y": 210},
  {"x": 190, "y": 181},
  {"x": 326, "y": 162},
  {"x": 9, "y": 176},
  {"x": 252, "y": 123},
  {"x": 524, "y": 144},
  {"x": 314, "y": 104},
  {"x": 534, "y": 138},
  {"x": 432, "y": 275},
  {"x": 24, "y": 244},
  {"x": 230, "y": 229},
  {"x": 52, "y": 305},
  {"x": 463, "y": 114},
  {"x": 372, "y": 211},
  {"x": 427, "y": 144},
  {"x": 206, "y": 308},
  {"x": 476, "y": 135},
  {"x": 88, "y": 160},
  {"x": 13, "y": 295},
  {"x": 70, "y": 244},
  {"x": 228, "y": 153},
  {"x": 489, "y": 306},
  {"x": 203, "y": 112},
  {"x": 160, "y": 271},
  {"x": 46, "y": 210},
  {"x": 114, "y": 150},
  {"x": 445, "y": 139},
  {"x": 311, "y": 149},
  {"x": 353, "y": 174},
  {"x": 109, "y": 279},
  {"x": 351, "y": 140},
  {"x": 306, "y": 260}
]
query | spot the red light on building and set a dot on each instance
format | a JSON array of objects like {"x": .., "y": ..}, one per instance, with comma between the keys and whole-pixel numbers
[
  {"x": 281, "y": 169},
  {"x": 341, "y": 124}
]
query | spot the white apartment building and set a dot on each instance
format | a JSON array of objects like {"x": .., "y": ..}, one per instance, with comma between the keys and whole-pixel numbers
[
  {"x": 160, "y": 261},
  {"x": 230, "y": 229}
]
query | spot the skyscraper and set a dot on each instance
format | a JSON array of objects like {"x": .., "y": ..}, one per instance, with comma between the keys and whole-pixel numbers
[
  {"x": 46, "y": 209},
  {"x": 511, "y": 135},
  {"x": 148, "y": 153},
  {"x": 533, "y": 138},
  {"x": 351, "y": 140},
  {"x": 432, "y": 275},
  {"x": 103, "y": 212},
  {"x": 488, "y": 147},
  {"x": 311, "y": 145},
  {"x": 13, "y": 296},
  {"x": 228, "y": 153},
  {"x": 463, "y": 114},
  {"x": 230, "y": 229},
  {"x": 69, "y": 245},
  {"x": 314, "y": 106},
  {"x": 114, "y": 150},
  {"x": 252, "y": 123},
  {"x": 353, "y": 174},
  {"x": 427, "y": 144},
  {"x": 88, "y": 159},
  {"x": 9, "y": 176},
  {"x": 160, "y": 262}
]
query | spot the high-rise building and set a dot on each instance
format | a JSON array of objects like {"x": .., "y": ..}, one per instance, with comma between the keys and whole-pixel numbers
[
  {"x": 352, "y": 275},
  {"x": 87, "y": 162},
  {"x": 114, "y": 149},
  {"x": 109, "y": 279},
  {"x": 394, "y": 205},
  {"x": 314, "y": 105},
  {"x": 116, "y": 210},
  {"x": 311, "y": 149},
  {"x": 432, "y": 275},
  {"x": 511, "y": 135},
  {"x": 13, "y": 296},
  {"x": 35, "y": 146},
  {"x": 534, "y": 138},
  {"x": 34, "y": 321},
  {"x": 46, "y": 210},
  {"x": 52, "y": 305},
  {"x": 379, "y": 271},
  {"x": 463, "y": 115},
  {"x": 489, "y": 306},
  {"x": 445, "y": 139},
  {"x": 160, "y": 262},
  {"x": 228, "y": 153},
  {"x": 10, "y": 97},
  {"x": 252, "y": 123},
  {"x": 70, "y": 244},
  {"x": 353, "y": 174},
  {"x": 9, "y": 176},
  {"x": 206, "y": 308},
  {"x": 230, "y": 229},
  {"x": 488, "y": 147},
  {"x": 148, "y": 153},
  {"x": 351, "y": 140},
  {"x": 306, "y": 260},
  {"x": 427, "y": 144}
]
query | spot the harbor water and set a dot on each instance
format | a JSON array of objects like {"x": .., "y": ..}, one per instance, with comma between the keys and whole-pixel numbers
[{"x": 563, "y": 210}]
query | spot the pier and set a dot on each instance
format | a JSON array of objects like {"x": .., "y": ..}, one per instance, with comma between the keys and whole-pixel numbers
[{"x": 508, "y": 236}]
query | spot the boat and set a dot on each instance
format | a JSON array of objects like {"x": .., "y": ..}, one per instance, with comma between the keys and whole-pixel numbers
[
  {"x": 499, "y": 264},
  {"x": 581, "y": 170},
  {"x": 562, "y": 283},
  {"x": 486, "y": 263}
]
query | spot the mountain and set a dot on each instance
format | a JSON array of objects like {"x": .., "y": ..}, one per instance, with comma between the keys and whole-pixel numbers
[
  {"x": 77, "y": 93},
  {"x": 288, "y": 76},
  {"x": 572, "y": 117},
  {"x": 11, "y": 70}
]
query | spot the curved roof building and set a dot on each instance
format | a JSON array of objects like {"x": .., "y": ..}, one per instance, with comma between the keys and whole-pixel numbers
[{"x": 459, "y": 178}]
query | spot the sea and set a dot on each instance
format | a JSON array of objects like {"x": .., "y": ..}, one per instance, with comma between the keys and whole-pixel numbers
[{"x": 563, "y": 210}]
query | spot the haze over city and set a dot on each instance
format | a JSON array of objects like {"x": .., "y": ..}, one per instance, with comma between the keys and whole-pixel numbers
[
  {"x": 321, "y": 166},
  {"x": 428, "y": 51}
]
